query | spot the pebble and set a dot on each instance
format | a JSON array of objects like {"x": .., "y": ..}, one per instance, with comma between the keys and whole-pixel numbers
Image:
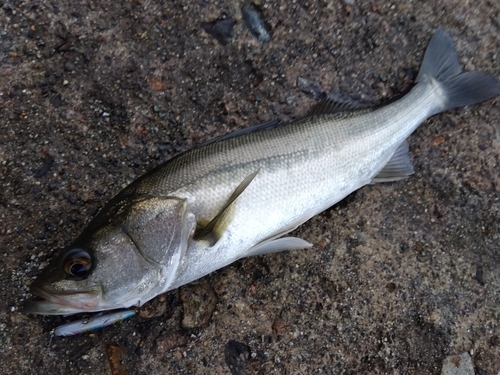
[
  {"x": 479, "y": 274},
  {"x": 154, "y": 308},
  {"x": 198, "y": 301},
  {"x": 116, "y": 354},
  {"x": 56, "y": 100},
  {"x": 45, "y": 168},
  {"x": 169, "y": 341},
  {"x": 221, "y": 29},
  {"x": 236, "y": 355},
  {"x": 71, "y": 199},
  {"x": 69, "y": 66},
  {"x": 165, "y": 148},
  {"x": 310, "y": 87},
  {"x": 458, "y": 365},
  {"x": 253, "y": 20}
]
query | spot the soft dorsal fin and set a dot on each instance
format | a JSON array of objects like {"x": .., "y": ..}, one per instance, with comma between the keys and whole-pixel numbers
[
  {"x": 209, "y": 231},
  {"x": 335, "y": 102},
  {"x": 399, "y": 166}
]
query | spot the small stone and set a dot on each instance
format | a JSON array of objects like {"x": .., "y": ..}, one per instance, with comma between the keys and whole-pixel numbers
[
  {"x": 157, "y": 85},
  {"x": 116, "y": 355},
  {"x": 253, "y": 19},
  {"x": 310, "y": 87},
  {"x": 169, "y": 341},
  {"x": 257, "y": 274},
  {"x": 165, "y": 148},
  {"x": 45, "y": 168},
  {"x": 236, "y": 355},
  {"x": 391, "y": 287},
  {"x": 221, "y": 29},
  {"x": 279, "y": 325},
  {"x": 458, "y": 365},
  {"x": 154, "y": 308},
  {"x": 199, "y": 302},
  {"x": 71, "y": 199},
  {"x": 56, "y": 100},
  {"x": 69, "y": 66}
]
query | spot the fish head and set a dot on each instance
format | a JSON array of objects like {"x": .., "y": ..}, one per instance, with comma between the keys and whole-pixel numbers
[{"x": 123, "y": 259}]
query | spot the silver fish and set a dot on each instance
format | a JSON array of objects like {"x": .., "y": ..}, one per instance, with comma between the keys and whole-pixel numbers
[{"x": 238, "y": 195}]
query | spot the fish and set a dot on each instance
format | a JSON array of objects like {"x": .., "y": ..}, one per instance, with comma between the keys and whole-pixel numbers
[{"x": 241, "y": 194}]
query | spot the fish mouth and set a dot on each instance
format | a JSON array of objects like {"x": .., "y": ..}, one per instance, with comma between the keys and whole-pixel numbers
[{"x": 51, "y": 302}]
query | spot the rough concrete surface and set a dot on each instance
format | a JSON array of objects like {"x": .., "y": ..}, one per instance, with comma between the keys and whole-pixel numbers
[{"x": 402, "y": 275}]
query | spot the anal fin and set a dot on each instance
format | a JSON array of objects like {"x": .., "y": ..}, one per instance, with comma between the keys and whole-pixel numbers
[
  {"x": 276, "y": 245},
  {"x": 399, "y": 166}
]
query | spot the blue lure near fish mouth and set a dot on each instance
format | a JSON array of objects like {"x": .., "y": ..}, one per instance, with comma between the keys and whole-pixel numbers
[{"x": 94, "y": 323}]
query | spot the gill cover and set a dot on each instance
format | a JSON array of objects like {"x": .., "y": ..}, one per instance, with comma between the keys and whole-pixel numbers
[
  {"x": 155, "y": 230},
  {"x": 159, "y": 227}
]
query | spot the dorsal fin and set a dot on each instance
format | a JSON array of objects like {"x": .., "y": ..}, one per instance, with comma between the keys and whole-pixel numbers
[
  {"x": 209, "y": 231},
  {"x": 264, "y": 126},
  {"x": 336, "y": 102}
]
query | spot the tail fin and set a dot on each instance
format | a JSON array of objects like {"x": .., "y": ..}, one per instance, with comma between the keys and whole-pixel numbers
[{"x": 459, "y": 88}]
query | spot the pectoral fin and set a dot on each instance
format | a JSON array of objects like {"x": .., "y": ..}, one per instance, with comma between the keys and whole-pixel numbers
[
  {"x": 399, "y": 166},
  {"x": 210, "y": 232}
]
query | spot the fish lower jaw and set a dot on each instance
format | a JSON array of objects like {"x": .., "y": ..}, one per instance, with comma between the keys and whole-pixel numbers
[{"x": 48, "y": 303}]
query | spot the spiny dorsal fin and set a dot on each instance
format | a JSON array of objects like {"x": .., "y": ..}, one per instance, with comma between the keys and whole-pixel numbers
[
  {"x": 264, "y": 126},
  {"x": 209, "y": 232},
  {"x": 336, "y": 102}
]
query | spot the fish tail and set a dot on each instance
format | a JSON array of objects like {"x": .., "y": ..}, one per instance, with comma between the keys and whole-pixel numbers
[{"x": 457, "y": 88}]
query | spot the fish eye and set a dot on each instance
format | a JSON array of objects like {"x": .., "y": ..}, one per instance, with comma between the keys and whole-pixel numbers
[{"x": 77, "y": 264}]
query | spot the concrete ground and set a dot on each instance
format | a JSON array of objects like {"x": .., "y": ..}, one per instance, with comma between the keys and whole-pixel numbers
[{"x": 402, "y": 275}]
